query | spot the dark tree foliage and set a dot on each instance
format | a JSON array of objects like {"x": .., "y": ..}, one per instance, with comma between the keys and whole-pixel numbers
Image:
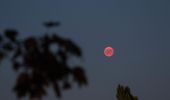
[
  {"x": 39, "y": 66},
  {"x": 124, "y": 93}
]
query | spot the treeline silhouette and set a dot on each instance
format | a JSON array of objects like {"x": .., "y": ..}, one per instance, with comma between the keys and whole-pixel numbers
[{"x": 40, "y": 66}]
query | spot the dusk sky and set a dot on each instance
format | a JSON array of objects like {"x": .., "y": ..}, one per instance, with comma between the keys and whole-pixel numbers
[{"x": 137, "y": 29}]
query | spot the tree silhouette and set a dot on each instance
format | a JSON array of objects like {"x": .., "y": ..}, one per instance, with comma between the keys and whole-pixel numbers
[
  {"x": 40, "y": 66},
  {"x": 123, "y": 93}
]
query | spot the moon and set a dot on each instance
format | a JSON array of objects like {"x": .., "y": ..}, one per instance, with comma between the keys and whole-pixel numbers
[{"x": 109, "y": 51}]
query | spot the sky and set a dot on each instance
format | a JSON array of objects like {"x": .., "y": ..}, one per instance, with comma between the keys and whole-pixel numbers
[{"x": 137, "y": 29}]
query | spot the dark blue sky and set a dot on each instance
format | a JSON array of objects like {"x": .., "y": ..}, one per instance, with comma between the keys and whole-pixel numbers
[{"x": 137, "y": 29}]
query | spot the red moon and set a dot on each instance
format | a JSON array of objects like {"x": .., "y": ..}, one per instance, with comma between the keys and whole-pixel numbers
[{"x": 109, "y": 51}]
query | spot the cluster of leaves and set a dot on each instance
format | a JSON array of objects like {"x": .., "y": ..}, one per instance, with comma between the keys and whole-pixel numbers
[
  {"x": 123, "y": 93},
  {"x": 39, "y": 66}
]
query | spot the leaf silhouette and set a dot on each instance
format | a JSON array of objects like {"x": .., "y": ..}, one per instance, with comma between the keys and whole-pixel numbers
[
  {"x": 62, "y": 55},
  {"x": 66, "y": 85},
  {"x": 8, "y": 47},
  {"x": 1, "y": 56},
  {"x": 17, "y": 53},
  {"x": 56, "y": 89},
  {"x": 30, "y": 43},
  {"x": 11, "y": 34},
  {"x": 16, "y": 65},
  {"x": 73, "y": 48},
  {"x": 51, "y": 24},
  {"x": 23, "y": 85},
  {"x": 1, "y": 38},
  {"x": 79, "y": 76}
]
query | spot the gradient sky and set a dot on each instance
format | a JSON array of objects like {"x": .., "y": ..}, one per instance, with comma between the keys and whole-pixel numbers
[{"x": 137, "y": 29}]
